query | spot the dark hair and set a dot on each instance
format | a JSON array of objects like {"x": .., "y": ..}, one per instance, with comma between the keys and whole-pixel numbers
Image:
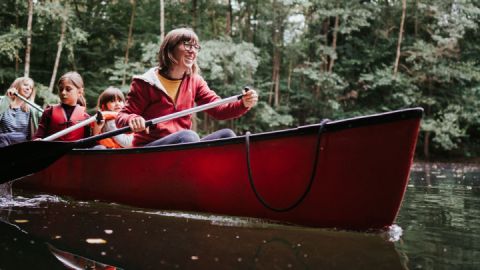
[
  {"x": 171, "y": 40},
  {"x": 77, "y": 80},
  {"x": 108, "y": 95}
]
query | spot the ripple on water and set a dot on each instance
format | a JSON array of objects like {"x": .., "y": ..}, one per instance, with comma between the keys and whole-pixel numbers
[
  {"x": 36, "y": 201},
  {"x": 218, "y": 220}
]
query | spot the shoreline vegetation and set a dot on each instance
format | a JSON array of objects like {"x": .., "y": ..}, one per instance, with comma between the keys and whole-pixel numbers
[
  {"x": 473, "y": 161},
  {"x": 465, "y": 161}
]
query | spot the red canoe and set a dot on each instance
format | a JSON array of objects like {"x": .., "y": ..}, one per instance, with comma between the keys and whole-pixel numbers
[{"x": 349, "y": 174}]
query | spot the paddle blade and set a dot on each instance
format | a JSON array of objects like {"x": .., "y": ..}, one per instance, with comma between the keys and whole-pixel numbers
[{"x": 22, "y": 159}]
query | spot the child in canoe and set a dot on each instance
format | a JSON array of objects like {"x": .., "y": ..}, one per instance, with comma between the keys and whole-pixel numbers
[
  {"x": 18, "y": 121},
  {"x": 69, "y": 112},
  {"x": 110, "y": 102}
]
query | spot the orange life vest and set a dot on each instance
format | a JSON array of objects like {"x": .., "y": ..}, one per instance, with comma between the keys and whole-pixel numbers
[{"x": 109, "y": 142}]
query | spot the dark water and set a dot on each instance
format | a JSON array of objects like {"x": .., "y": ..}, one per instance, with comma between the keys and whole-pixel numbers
[
  {"x": 437, "y": 228},
  {"x": 440, "y": 217}
]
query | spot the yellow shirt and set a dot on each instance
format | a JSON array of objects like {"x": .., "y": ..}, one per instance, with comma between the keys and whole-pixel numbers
[{"x": 171, "y": 86}]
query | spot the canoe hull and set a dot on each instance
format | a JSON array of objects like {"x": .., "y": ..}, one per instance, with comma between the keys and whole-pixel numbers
[{"x": 359, "y": 178}]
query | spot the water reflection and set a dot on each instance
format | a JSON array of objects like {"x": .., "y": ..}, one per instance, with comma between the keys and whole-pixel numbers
[
  {"x": 19, "y": 250},
  {"x": 437, "y": 225},
  {"x": 440, "y": 216},
  {"x": 133, "y": 238}
]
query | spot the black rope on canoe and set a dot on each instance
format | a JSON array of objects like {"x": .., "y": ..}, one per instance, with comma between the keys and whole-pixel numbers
[{"x": 312, "y": 176}]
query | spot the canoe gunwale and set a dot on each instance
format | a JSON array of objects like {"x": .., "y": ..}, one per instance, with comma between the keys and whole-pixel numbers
[{"x": 331, "y": 126}]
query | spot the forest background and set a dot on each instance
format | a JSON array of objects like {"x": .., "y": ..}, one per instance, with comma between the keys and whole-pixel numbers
[{"x": 308, "y": 60}]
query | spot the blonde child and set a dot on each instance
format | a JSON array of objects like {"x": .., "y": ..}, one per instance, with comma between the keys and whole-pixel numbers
[{"x": 18, "y": 122}]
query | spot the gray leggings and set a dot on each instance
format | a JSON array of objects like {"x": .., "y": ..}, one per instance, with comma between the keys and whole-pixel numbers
[{"x": 186, "y": 136}]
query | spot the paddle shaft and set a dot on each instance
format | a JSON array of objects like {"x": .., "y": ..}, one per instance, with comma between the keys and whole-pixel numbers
[
  {"x": 33, "y": 105},
  {"x": 163, "y": 118},
  {"x": 193, "y": 110}
]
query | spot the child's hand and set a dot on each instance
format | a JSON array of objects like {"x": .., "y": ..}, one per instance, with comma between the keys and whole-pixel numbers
[
  {"x": 109, "y": 115},
  {"x": 11, "y": 93},
  {"x": 97, "y": 127}
]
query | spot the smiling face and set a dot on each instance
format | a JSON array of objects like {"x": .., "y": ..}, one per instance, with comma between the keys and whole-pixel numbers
[
  {"x": 114, "y": 105},
  {"x": 26, "y": 88},
  {"x": 69, "y": 93},
  {"x": 185, "y": 53},
  {"x": 178, "y": 53}
]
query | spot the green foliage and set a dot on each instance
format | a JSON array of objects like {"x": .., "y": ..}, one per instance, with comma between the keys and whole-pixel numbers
[
  {"x": 383, "y": 91},
  {"x": 268, "y": 118},
  {"x": 470, "y": 113},
  {"x": 11, "y": 43},
  {"x": 120, "y": 70},
  {"x": 322, "y": 101},
  {"x": 45, "y": 96},
  {"x": 353, "y": 16},
  {"x": 445, "y": 127},
  {"x": 224, "y": 62}
]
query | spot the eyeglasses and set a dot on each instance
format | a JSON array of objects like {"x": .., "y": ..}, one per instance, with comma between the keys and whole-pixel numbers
[{"x": 189, "y": 46}]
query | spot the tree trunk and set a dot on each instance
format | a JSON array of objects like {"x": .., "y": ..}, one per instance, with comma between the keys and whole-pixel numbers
[
  {"x": 415, "y": 31},
  {"x": 289, "y": 78},
  {"x": 215, "y": 30},
  {"x": 248, "y": 23},
  {"x": 162, "y": 20},
  {"x": 276, "y": 78},
  {"x": 194, "y": 14},
  {"x": 334, "y": 44},
  {"x": 277, "y": 39},
  {"x": 325, "y": 31},
  {"x": 272, "y": 97},
  {"x": 400, "y": 37},
  {"x": 195, "y": 122},
  {"x": 426, "y": 145},
  {"x": 29, "y": 39},
  {"x": 17, "y": 58},
  {"x": 59, "y": 53},
  {"x": 228, "y": 27},
  {"x": 72, "y": 56},
  {"x": 17, "y": 62},
  {"x": 205, "y": 122},
  {"x": 255, "y": 16},
  {"x": 129, "y": 41}
]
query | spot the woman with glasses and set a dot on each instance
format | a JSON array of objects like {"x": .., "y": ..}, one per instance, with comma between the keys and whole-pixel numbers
[{"x": 173, "y": 86}]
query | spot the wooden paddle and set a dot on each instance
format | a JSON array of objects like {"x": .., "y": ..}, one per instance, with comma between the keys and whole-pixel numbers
[{"x": 22, "y": 159}]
